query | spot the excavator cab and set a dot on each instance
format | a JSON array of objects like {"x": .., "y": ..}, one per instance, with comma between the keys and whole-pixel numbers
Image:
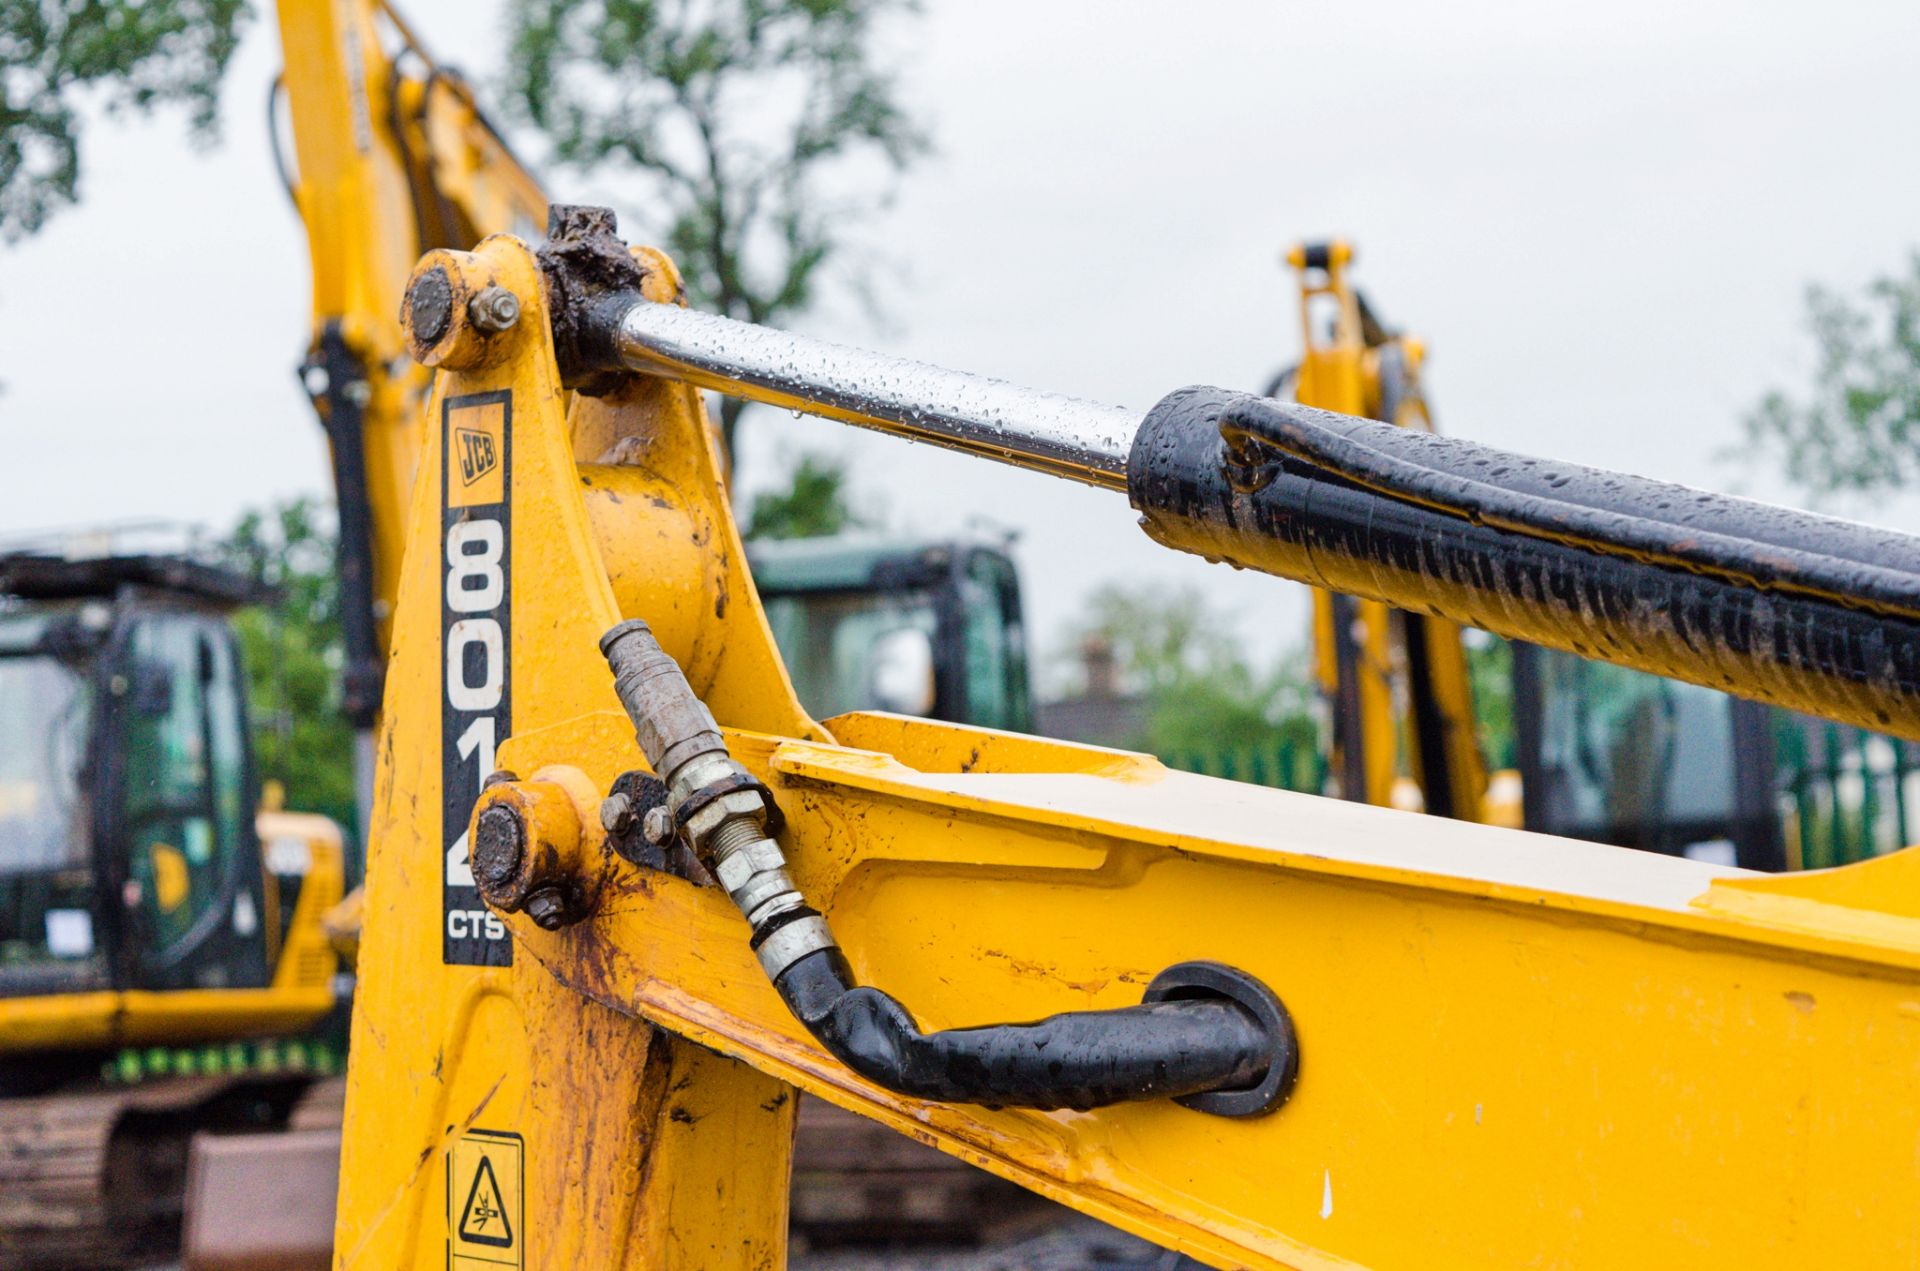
[
  {"x": 130, "y": 858},
  {"x": 931, "y": 629},
  {"x": 127, "y": 851},
  {"x": 159, "y": 937},
  {"x": 1614, "y": 755}
]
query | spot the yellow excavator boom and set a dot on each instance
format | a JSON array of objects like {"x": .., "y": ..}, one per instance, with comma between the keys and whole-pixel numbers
[
  {"x": 625, "y": 898},
  {"x": 391, "y": 157}
]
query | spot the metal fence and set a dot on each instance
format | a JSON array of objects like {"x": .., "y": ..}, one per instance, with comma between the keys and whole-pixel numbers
[
  {"x": 1844, "y": 794},
  {"x": 1283, "y": 763}
]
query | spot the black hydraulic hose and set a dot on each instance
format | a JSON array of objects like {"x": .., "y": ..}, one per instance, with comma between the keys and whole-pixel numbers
[
  {"x": 344, "y": 418},
  {"x": 1806, "y": 612},
  {"x": 1082, "y": 1059},
  {"x": 1211, "y": 1036}
]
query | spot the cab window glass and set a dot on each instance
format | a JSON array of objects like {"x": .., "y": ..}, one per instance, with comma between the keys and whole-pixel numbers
[
  {"x": 47, "y": 934},
  {"x": 830, "y": 642},
  {"x": 173, "y": 820},
  {"x": 227, "y": 751},
  {"x": 1632, "y": 758},
  {"x": 996, "y": 655}
]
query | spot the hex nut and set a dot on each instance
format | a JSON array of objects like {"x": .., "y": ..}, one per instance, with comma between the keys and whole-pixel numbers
[
  {"x": 759, "y": 856},
  {"x": 732, "y": 804},
  {"x": 494, "y": 309},
  {"x": 548, "y": 909},
  {"x": 616, "y": 814},
  {"x": 657, "y": 827}
]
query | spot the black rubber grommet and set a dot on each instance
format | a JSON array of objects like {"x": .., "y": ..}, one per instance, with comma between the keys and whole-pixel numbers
[{"x": 1186, "y": 981}]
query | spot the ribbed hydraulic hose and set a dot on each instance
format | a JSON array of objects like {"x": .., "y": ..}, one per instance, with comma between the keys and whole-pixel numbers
[{"x": 1802, "y": 611}]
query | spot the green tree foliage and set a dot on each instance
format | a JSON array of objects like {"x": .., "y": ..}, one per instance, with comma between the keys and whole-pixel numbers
[
  {"x": 58, "y": 55},
  {"x": 1858, "y": 429},
  {"x": 814, "y": 503},
  {"x": 1490, "y": 677},
  {"x": 1201, "y": 691},
  {"x": 747, "y": 120},
  {"x": 294, "y": 651}
]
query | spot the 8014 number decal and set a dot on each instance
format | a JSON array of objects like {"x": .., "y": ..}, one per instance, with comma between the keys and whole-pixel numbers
[{"x": 475, "y": 630}]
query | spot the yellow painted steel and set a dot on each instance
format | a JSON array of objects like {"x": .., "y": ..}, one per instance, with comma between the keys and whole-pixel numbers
[
  {"x": 1517, "y": 1051},
  {"x": 306, "y": 959},
  {"x": 1342, "y": 369},
  {"x": 299, "y": 994}
]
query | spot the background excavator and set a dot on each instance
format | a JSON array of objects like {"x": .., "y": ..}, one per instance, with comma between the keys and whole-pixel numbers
[
  {"x": 153, "y": 925},
  {"x": 159, "y": 939},
  {"x": 1399, "y": 697}
]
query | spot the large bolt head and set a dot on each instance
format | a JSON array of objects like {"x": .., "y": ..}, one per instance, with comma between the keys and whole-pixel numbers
[
  {"x": 430, "y": 307},
  {"x": 499, "y": 847}
]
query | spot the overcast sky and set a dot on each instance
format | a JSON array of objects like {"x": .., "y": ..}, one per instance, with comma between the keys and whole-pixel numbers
[{"x": 1601, "y": 217}]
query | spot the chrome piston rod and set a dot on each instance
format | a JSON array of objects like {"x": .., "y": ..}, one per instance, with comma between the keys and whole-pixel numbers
[{"x": 1047, "y": 432}]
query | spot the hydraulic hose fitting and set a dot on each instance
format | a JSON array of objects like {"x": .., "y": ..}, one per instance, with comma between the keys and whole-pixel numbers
[
  {"x": 1211, "y": 1037},
  {"x": 725, "y": 814}
]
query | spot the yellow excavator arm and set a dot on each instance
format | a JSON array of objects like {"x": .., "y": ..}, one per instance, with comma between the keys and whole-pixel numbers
[
  {"x": 625, "y": 898},
  {"x": 391, "y": 157}
]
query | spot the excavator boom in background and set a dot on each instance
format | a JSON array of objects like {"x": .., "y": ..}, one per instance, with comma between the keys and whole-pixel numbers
[
  {"x": 1586, "y": 749},
  {"x": 1375, "y": 666},
  {"x": 392, "y": 157}
]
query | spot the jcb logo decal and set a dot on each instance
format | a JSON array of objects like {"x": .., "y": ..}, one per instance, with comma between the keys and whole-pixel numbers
[
  {"x": 476, "y": 450},
  {"x": 477, "y": 454}
]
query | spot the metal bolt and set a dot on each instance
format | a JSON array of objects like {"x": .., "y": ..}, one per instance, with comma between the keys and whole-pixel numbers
[
  {"x": 616, "y": 814},
  {"x": 548, "y": 909},
  {"x": 657, "y": 828},
  {"x": 430, "y": 307},
  {"x": 498, "y": 777},
  {"x": 494, "y": 310},
  {"x": 499, "y": 844}
]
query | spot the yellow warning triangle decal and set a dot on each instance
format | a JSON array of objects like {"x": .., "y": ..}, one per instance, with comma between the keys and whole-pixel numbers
[{"x": 483, "y": 1220}]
